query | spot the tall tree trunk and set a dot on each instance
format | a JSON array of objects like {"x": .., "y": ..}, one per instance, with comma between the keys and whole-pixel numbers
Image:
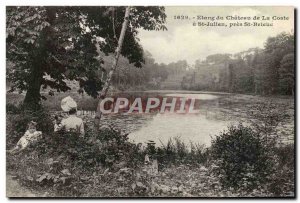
[
  {"x": 33, "y": 96},
  {"x": 113, "y": 68}
]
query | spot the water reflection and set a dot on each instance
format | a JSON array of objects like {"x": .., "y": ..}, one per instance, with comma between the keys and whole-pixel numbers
[
  {"x": 196, "y": 128},
  {"x": 189, "y": 127},
  {"x": 195, "y": 96},
  {"x": 217, "y": 111}
]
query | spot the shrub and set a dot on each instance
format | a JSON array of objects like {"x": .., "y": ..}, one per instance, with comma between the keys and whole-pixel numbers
[
  {"x": 281, "y": 182},
  {"x": 106, "y": 148},
  {"x": 266, "y": 117},
  {"x": 65, "y": 161},
  {"x": 244, "y": 160}
]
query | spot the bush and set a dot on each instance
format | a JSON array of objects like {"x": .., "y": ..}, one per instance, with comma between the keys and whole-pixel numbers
[
  {"x": 16, "y": 123},
  {"x": 65, "y": 161},
  {"x": 243, "y": 158},
  {"x": 107, "y": 148},
  {"x": 281, "y": 182}
]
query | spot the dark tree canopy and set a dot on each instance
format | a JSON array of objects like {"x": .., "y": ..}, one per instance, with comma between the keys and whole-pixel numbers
[{"x": 50, "y": 45}]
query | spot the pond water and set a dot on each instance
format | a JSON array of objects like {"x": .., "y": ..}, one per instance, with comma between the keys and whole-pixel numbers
[
  {"x": 217, "y": 112},
  {"x": 195, "y": 128}
]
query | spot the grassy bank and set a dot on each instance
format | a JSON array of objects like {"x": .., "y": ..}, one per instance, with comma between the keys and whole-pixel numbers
[{"x": 241, "y": 162}]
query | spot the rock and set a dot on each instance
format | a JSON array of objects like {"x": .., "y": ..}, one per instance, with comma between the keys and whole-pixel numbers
[
  {"x": 180, "y": 188},
  {"x": 121, "y": 179},
  {"x": 204, "y": 169},
  {"x": 121, "y": 190},
  {"x": 155, "y": 166},
  {"x": 164, "y": 188},
  {"x": 104, "y": 128},
  {"x": 174, "y": 189},
  {"x": 154, "y": 186},
  {"x": 66, "y": 172},
  {"x": 49, "y": 161},
  {"x": 125, "y": 170},
  {"x": 133, "y": 186},
  {"x": 137, "y": 176},
  {"x": 147, "y": 159},
  {"x": 139, "y": 184},
  {"x": 185, "y": 194}
]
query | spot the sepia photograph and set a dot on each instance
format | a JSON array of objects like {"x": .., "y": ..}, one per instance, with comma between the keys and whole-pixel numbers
[{"x": 150, "y": 101}]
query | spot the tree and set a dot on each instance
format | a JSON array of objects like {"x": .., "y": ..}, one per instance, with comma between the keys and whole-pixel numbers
[
  {"x": 286, "y": 74},
  {"x": 47, "y": 46},
  {"x": 50, "y": 45},
  {"x": 218, "y": 58},
  {"x": 260, "y": 71},
  {"x": 275, "y": 49}
]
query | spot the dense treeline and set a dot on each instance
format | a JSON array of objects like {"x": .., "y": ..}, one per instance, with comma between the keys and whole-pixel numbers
[
  {"x": 150, "y": 76},
  {"x": 265, "y": 71},
  {"x": 260, "y": 71}
]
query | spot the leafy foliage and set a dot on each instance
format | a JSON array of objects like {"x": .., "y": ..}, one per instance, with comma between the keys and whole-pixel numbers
[
  {"x": 286, "y": 74},
  {"x": 282, "y": 181},
  {"x": 243, "y": 158},
  {"x": 49, "y": 45},
  {"x": 251, "y": 158},
  {"x": 64, "y": 160}
]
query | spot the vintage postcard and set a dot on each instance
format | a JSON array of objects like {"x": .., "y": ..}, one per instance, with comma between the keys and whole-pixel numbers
[{"x": 157, "y": 101}]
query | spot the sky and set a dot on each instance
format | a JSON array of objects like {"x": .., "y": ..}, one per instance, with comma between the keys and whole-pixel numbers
[{"x": 183, "y": 41}]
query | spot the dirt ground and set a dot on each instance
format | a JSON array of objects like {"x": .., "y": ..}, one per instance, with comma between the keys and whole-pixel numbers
[{"x": 14, "y": 189}]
